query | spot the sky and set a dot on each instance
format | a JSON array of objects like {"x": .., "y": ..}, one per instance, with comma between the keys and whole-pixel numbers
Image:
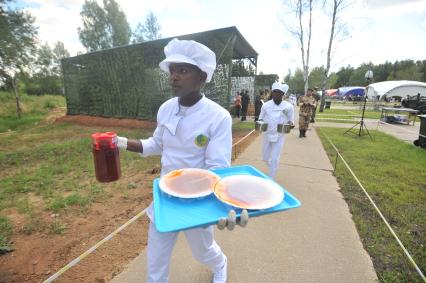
[{"x": 377, "y": 30}]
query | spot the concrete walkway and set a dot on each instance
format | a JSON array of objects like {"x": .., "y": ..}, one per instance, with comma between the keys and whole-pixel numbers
[{"x": 317, "y": 242}]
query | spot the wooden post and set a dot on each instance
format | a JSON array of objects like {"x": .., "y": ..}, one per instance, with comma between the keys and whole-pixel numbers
[{"x": 18, "y": 103}]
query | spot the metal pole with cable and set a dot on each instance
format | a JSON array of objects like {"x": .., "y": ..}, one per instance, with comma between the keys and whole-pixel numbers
[{"x": 361, "y": 123}]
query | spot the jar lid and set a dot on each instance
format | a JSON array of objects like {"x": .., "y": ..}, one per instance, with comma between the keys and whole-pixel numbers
[{"x": 107, "y": 138}]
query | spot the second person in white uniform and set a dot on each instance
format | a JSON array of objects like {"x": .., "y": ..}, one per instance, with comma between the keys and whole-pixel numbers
[{"x": 276, "y": 113}]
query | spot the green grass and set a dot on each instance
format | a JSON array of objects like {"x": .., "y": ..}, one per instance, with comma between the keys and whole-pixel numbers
[
  {"x": 58, "y": 160},
  {"x": 241, "y": 126},
  {"x": 348, "y": 113},
  {"x": 34, "y": 109},
  {"x": 393, "y": 172},
  {"x": 51, "y": 169},
  {"x": 56, "y": 227}
]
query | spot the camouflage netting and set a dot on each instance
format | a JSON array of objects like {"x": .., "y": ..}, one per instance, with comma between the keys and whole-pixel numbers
[{"x": 125, "y": 82}]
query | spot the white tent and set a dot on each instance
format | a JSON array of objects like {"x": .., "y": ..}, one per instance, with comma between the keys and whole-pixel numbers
[{"x": 396, "y": 88}]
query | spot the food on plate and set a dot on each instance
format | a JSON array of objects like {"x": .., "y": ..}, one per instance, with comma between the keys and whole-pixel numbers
[
  {"x": 250, "y": 192},
  {"x": 189, "y": 182}
]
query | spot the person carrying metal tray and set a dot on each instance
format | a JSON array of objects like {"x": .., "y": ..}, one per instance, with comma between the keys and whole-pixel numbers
[{"x": 276, "y": 118}]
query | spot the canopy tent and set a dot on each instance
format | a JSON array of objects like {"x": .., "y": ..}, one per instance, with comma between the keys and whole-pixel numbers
[
  {"x": 126, "y": 82},
  {"x": 351, "y": 91},
  {"x": 381, "y": 90},
  {"x": 331, "y": 92}
]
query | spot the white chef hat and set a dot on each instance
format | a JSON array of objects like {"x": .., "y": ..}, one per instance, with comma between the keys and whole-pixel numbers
[
  {"x": 191, "y": 52},
  {"x": 281, "y": 87}
]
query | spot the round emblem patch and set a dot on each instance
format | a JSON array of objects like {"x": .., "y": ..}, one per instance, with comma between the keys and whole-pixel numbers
[{"x": 201, "y": 140}]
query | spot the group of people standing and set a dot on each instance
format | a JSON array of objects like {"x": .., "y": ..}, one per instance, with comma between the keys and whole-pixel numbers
[{"x": 241, "y": 102}]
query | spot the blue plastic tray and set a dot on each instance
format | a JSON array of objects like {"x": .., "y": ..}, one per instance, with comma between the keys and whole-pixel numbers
[{"x": 175, "y": 214}]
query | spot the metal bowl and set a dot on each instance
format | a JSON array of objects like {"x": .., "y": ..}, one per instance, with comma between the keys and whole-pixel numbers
[
  {"x": 261, "y": 126},
  {"x": 281, "y": 128},
  {"x": 287, "y": 129}
]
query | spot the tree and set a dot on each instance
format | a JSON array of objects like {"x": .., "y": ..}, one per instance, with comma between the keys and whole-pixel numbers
[
  {"x": 17, "y": 44},
  {"x": 138, "y": 34},
  {"x": 94, "y": 34},
  {"x": 152, "y": 27},
  {"x": 44, "y": 60},
  {"x": 148, "y": 31},
  {"x": 407, "y": 70},
  {"x": 118, "y": 27},
  {"x": 296, "y": 82},
  {"x": 287, "y": 77},
  {"x": 46, "y": 77},
  {"x": 301, "y": 33},
  {"x": 357, "y": 77},
  {"x": 103, "y": 27},
  {"x": 343, "y": 76},
  {"x": 337, "y": 28},
  {"x": 382, "y": 71},
  {"x": 316, "y": 76},
  {"x": 59, "y": 52},
  {"x": 422, "y": 68}
]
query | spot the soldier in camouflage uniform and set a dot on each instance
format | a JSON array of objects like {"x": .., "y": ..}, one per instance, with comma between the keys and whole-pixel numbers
[
  {"x": 307, "y": 104},
  {"x": 317, "y": 98}
]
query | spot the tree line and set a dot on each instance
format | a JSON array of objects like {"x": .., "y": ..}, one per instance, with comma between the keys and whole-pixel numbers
[{"x": 350, "y": 76}]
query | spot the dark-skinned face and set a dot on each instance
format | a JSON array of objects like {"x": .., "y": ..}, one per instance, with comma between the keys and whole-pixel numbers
[
  {"x": 277, "y": 96},
  {"x": 186, "y": 79}
]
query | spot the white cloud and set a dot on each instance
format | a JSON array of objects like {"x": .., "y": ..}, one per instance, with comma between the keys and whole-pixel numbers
[
  {"x": 136, "y": 11},
  {"x": 380, "y": 29},
  {"x": 58, "y": 21},
  {"x": 387, "y": 8},
  {"x": 379, "y": 4}
]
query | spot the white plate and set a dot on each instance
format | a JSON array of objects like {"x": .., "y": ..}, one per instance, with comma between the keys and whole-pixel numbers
[
  {"x": 189, "y": 182},
  {"x": 250, "y": 192}
]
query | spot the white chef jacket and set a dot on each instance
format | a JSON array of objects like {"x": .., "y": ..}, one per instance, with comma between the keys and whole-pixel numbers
[
  {"x": 273, "y": 115},
  {"x": 199, "y": 137}
]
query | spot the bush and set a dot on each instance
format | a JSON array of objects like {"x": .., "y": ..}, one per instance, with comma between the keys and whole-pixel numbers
[
  {"x": 49, "y": 104},
  {"x": 6, "y": 231}
]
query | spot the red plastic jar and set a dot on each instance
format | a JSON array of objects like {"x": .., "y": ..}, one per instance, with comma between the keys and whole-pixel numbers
[{"x": 106, "y": 156}]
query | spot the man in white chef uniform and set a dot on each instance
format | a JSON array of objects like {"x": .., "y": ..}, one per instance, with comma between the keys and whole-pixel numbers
[
  {"x": 275, "y": 112},
  {"x": 192, "y": 132}
]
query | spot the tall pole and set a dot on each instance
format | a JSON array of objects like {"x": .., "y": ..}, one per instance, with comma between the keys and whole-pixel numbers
[{"x": 363, "y": 107}]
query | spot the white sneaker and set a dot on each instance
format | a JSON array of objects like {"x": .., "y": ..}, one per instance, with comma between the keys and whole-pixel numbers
[{"x": 220, "y": 276}]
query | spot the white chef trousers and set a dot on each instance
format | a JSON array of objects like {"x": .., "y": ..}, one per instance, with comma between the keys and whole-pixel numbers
[
  {"x": 271, "y": 153},
  {"x": 160, "y": 246}
]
